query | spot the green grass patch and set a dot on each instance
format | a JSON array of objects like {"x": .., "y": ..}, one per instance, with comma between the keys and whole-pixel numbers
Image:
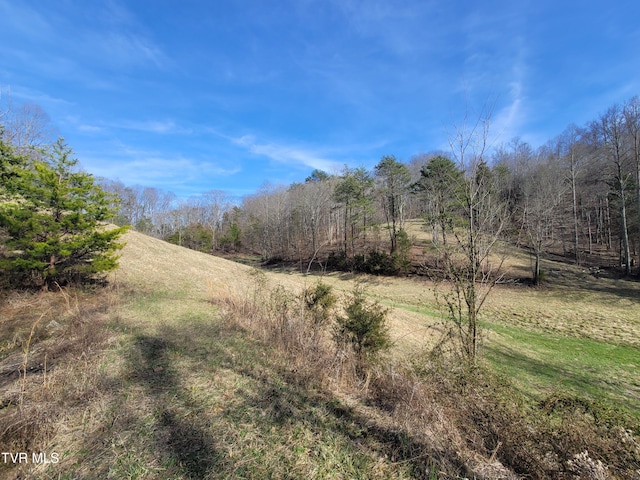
[{"x": 543, "y": 363}]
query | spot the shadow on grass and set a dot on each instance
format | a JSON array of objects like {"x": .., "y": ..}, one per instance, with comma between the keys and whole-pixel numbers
[
  {"x": 192, "y": 436},
  {"x": 281, "y": 410},
  {"x": 290, "y": 406},
  {"x": 191, "y": 445},
  {"x": 620, "y": 287},
  {"x": 561, "y": 273},
  {"x": 546, "y": 371}
]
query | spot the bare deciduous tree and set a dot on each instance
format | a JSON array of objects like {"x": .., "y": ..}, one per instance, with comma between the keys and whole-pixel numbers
[
  {"x": 611, "y": 132},
  {"x": 27, "y": 128},
  {"x": 632, "y": 124},
  {"x": 542, "y": 195},
  {"x": 467, "y": 263}
]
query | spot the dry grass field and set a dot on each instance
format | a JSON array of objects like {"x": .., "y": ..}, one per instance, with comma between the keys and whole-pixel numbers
[{"x": 147, "y": 379}]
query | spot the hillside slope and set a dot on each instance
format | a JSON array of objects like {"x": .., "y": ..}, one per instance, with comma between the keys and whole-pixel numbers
[
  {"x": 145, "y": 379},
  {"x": 148, "y": 262},
  {"x": 576, "y": 323}
]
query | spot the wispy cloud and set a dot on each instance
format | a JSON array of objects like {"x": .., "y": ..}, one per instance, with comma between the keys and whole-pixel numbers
[
  {"x": 158, "y": 127},
  {"x": 126, "y": 49},
  {"x": 133, "y": 166},
  {"x": 29, "y": 95},
  {"x": 80, "y": 125},
  {"x": 19, "y": 17},
  {"x": 397, "y": 27},
  {"x": 113, "y": 39},
  {"x": 509, "y": 121},
  {"x": 123, "y": 41},
  {"x": 149, "y": 126},
  {"x": 89, "y": 128},
  {"x": 289, "y": 154}
]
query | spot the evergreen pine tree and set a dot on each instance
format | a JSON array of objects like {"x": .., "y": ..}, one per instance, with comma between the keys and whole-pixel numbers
[{"x": 52, "y": 220}]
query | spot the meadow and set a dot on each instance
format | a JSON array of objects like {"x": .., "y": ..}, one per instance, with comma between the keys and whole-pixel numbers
[{"x": 171, "y": 372}]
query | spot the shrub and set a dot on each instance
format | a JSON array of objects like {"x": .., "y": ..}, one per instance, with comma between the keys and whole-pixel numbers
[
  {"x": 364, "y": 327},
  {"x": 338, "y": 261},
  {"x": 319, "y": 302},
  {"x": 359, "y": 263},
  {"x": 379, "y": 263}
]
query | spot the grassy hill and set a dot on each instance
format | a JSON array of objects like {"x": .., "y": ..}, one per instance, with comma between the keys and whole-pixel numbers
[{"x": 168, "y": 373}]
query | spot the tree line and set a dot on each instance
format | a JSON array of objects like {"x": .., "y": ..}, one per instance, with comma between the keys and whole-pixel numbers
[{"x": 578, "y": 195}]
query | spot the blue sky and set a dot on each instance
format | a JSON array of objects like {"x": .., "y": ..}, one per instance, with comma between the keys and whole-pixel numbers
[{"x": 198, "y": 95}]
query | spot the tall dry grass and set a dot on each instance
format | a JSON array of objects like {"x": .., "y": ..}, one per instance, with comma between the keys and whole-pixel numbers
[
  {"x": 451, "y": 420},
  {"x": 278, "y": 317},
  {"x": 50, "y": 347}
]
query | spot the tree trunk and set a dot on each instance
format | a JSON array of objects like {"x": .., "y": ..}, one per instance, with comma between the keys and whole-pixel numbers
[
  {"x": 607, "y": 213},
  {"x": 575, "y": 212},
  {"x": 589, "y": 229},
  {"x": 638, "y": 190},
  {"x": 536, "y": 269},
  {"x": 472, "y": 313},
  {"x": 346, "y": 215},
  {"x": 393, "y": 225},
  {"x": 625, "y": 233}
]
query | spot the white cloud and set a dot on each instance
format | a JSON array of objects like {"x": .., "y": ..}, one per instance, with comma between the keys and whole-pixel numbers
[
  {"x": 121, "y": 40},
  {"x": 126, "y": 49},
  {"x": 135, "y": 166},
  {"x": 89, "y": 128},
  {"x": 29, "y": 95},
  {"x": 399, "y": 27},
  {"x": 18, "y": 17},
  {"x": 509, "y": 121},
  {"x": 150, "y": 126},
  {"x": 113, "y": 38},
  {"x": 288, "y": 154},
  {"x": 159, "y": 127}
]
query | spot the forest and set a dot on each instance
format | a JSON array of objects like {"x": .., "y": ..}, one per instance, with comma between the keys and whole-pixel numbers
[{"x": 577, "y": 196}]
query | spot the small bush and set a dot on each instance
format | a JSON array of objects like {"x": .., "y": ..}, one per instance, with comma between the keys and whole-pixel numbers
[
  {"x": 364, "y": 328},
  {"x": 319, "y": 302},
  {"x": 380, "y": 263},
  {"x": 338, "y": 261},
  {"x": 360, "y": 263},
  {"x": 374, "y": 262}
]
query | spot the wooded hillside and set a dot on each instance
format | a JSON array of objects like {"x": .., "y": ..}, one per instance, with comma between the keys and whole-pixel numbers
[{"x": 577, "y": 196}]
